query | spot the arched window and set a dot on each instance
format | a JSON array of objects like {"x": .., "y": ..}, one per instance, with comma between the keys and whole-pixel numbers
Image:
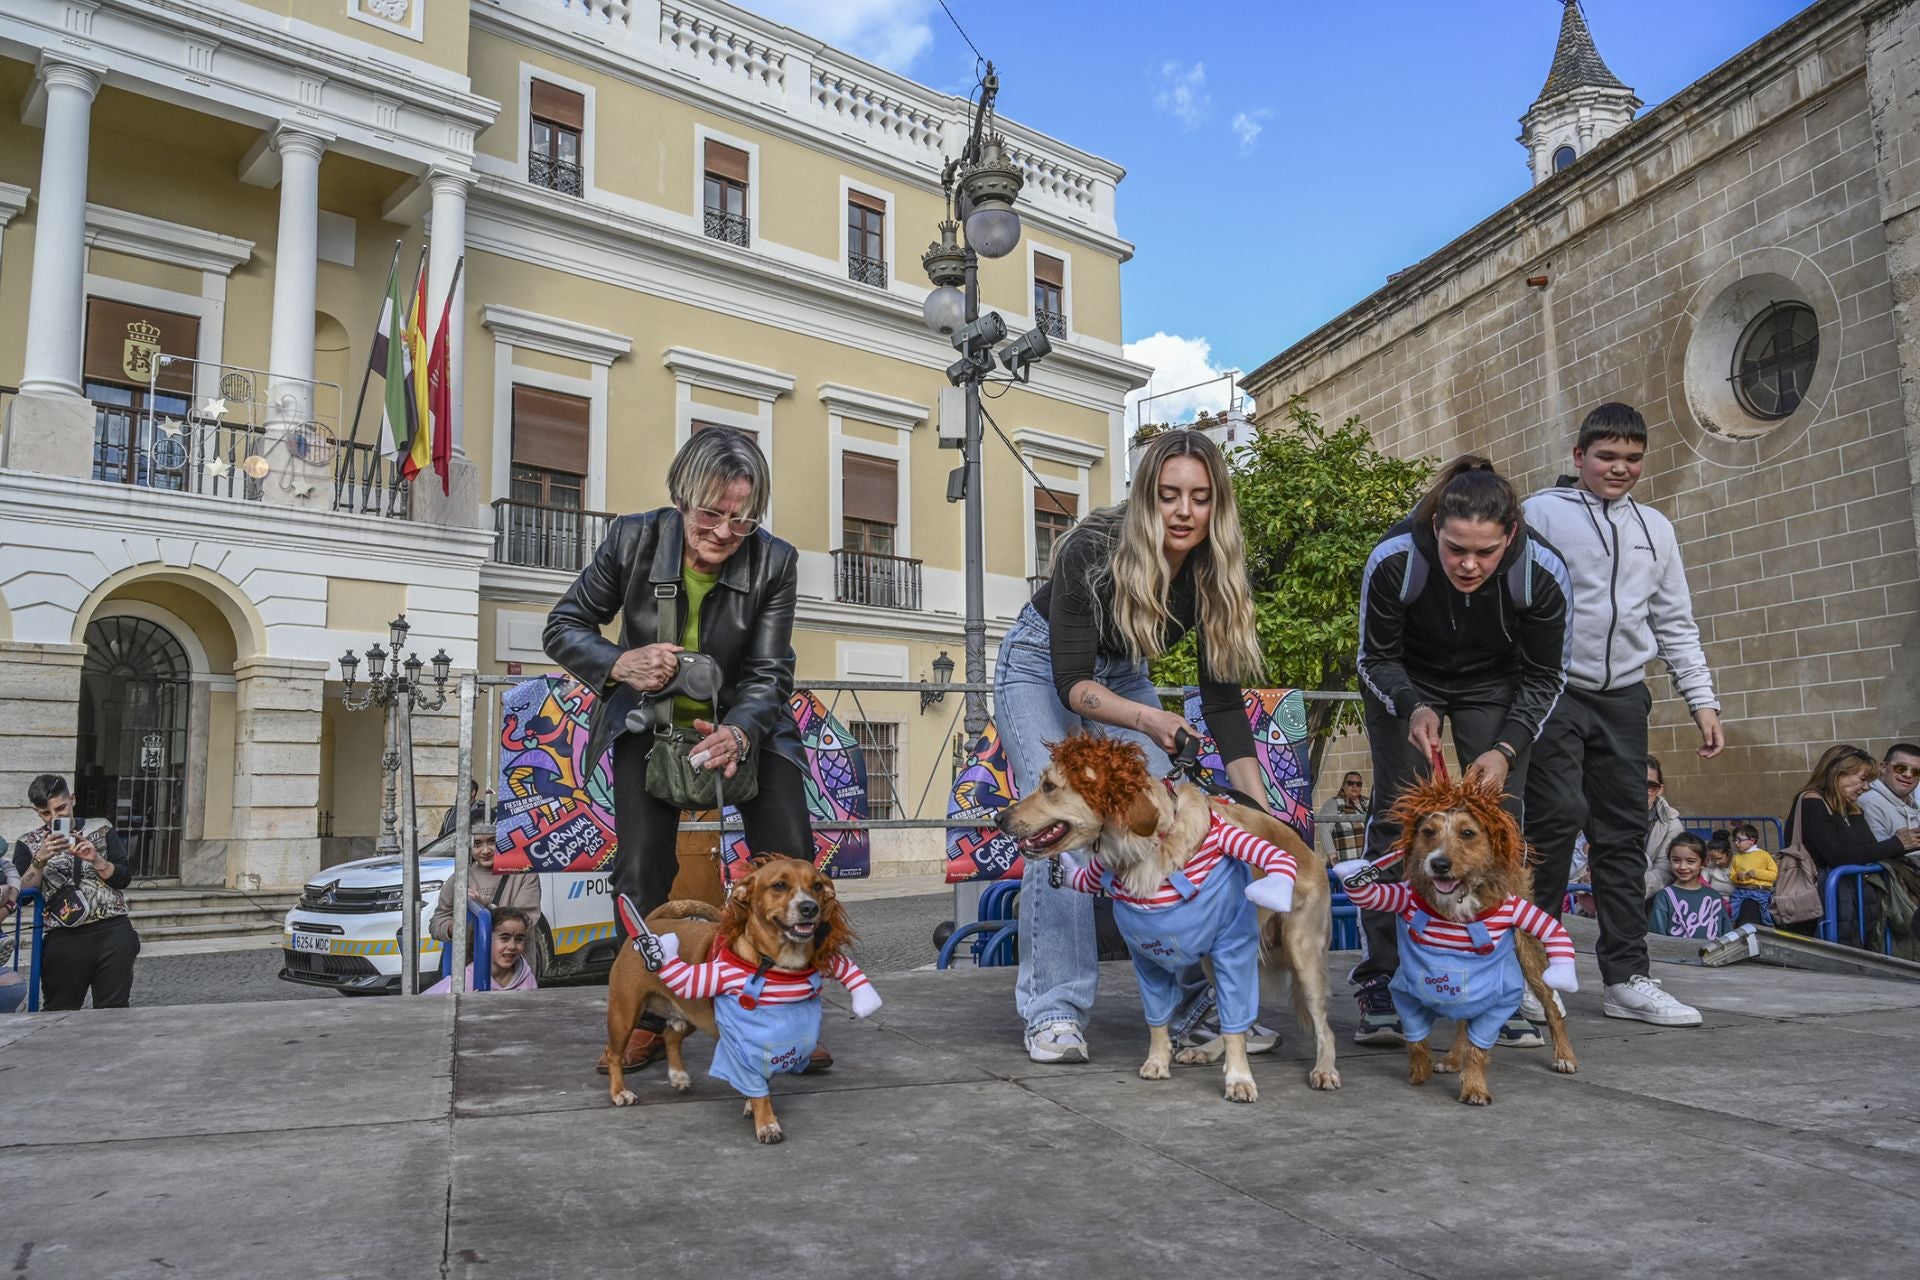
[
  {"x": 1563, "y": 158},
  {"x": 1773, "y": 361},
  {"x": 132, "y": 756}
]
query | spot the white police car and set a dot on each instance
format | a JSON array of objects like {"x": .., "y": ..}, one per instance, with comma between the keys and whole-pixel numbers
[{"x": 344, "y": 931}]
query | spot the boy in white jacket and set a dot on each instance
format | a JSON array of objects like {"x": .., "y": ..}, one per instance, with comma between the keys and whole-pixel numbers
[{"x": 1630, "y": 603}]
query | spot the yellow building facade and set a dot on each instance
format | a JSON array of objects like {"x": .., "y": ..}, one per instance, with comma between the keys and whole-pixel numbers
[{"x": 671, "y": 216}]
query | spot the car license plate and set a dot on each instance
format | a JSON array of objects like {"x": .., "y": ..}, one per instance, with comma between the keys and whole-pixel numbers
[{"x": 312, "y": 942}]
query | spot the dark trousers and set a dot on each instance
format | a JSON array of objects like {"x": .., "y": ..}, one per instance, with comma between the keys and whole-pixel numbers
[
  {"x": 1590, "y": 774},
  {"x": 1476, "y": 712},
  {"x": 98, "y": 956},
  {"x": 648, "y": 858}
]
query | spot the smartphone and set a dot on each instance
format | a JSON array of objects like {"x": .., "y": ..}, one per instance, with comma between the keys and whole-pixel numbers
[{"x": 68, "y": 827}]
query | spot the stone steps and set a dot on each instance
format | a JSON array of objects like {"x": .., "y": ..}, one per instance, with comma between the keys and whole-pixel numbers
[{"x": 206, "y": 913}]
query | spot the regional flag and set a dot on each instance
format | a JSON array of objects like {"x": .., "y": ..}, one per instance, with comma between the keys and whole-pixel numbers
[
  {"x": 390, "y": 362},
  {"x": 440, "y": 385},
  {"x": 420, "y": 442}
]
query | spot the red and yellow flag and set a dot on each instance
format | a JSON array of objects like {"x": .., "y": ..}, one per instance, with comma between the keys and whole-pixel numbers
[{"x": 420, "y": 450}]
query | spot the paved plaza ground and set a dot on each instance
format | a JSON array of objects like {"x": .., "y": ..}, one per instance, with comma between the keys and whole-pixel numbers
[{"x": 417, "y": 1138}]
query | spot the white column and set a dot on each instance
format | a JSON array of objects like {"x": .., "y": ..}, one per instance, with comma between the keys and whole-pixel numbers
[
  {"x": 55, "y": 322},
  {"x": 296, "y": 267},
  {"x": 447, "y": 241}
]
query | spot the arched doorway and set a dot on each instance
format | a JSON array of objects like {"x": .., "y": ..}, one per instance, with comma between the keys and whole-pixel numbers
[{"x": 134, "y": 689}]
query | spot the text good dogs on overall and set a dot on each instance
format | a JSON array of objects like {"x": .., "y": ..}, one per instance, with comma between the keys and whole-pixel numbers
[
  {"x": 749, "y": 975},
  {"x": 1470, "y": 941},
  {"x": 1177, "y": 867}
]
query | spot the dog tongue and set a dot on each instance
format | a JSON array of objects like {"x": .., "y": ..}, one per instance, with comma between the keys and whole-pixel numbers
[{"x": 1446, "y": 886}]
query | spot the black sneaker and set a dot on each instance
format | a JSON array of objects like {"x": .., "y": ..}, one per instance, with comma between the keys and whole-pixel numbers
[
  {"x": 1379, "y": 1020},
  {"x": 1518, "y": 1033}
]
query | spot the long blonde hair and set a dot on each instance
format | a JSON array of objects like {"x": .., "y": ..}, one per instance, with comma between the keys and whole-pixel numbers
[{"x": 1136, "y": 575}]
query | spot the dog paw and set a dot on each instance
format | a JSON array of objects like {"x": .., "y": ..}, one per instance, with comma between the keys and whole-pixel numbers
[
  {"x": 679, "y": 1080},
  {"x": 1155, "y": 1069},
  {"x": 746, "y": 1110},
  {"x": 1565, "y": 1066},
  {"x": 1328, "y": 1079},
  {"x": 768, "y": 1134},
  {"x": 624, "y": 1098},
  {"x": 1200, "y": 1055},
  {"x": 1242, "y": 1090},
  {"x": 1476, "y": 1097},
  {"x": 1446, "y": 1068}
]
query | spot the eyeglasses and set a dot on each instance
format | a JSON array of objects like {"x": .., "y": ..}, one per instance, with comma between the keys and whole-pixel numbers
[
  {"x": 1655, "y": 785},
  {"x": 706, "y": 520},
  {"x": 1905, "y": 770}
]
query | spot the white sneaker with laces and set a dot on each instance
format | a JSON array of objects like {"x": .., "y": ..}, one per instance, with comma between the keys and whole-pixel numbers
[
  {"x": 1530, "y": 1007},
  {"x": 1057, "y": 1041},
  {"x": 1641, "y": 998}
]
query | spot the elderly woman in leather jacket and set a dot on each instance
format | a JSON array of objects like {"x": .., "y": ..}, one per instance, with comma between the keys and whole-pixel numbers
[{"x": 707, "y": 562}]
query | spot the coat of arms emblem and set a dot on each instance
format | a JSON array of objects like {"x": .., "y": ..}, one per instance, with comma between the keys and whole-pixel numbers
[{"x": 143, "y": 344}]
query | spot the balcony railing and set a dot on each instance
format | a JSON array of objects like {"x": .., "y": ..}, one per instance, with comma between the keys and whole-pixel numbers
[
  {"x": 882, "y": 582},
  {"x": 864, "y": 270},
  {"x": 733, "y": 228},
  {"x": 1051, "y": 323},
  {"x": 554, "y": 174},
  {"x": 1035, "y": 581},
  {"x": 540, "y": 537},
  {"x": 368, "y": 482}
]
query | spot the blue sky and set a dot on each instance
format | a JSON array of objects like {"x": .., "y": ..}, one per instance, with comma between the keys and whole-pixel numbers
[{"x": 1282, "y": 157}]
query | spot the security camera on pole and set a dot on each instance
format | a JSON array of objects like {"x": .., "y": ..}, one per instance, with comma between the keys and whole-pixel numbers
[{"x": 981, "y": 185}]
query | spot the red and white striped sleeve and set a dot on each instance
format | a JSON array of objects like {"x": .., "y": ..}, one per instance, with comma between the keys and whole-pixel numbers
[
  {"x": 1247, "y": 847},
  {"x": 1081, "y": 877},
  {"x": 846, "y": 972},
  {"x": 1531, "y": 919},
  {"x": 700, "y": 981},
  {"x": 1395, "y": 897}
]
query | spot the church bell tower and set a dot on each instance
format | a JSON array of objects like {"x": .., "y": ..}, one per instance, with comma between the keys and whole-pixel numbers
[{"x": 1581, "y": 105}]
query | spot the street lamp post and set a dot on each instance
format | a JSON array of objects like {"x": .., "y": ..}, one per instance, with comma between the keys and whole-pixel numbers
[{"x": 396, "y": 686}]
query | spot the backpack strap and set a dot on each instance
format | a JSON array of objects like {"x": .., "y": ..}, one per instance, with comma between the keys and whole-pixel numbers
[{"x": 1519, "y": 577}]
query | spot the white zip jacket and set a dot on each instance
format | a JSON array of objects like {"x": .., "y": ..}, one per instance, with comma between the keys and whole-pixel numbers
[{"x": 1629, "y": 592}]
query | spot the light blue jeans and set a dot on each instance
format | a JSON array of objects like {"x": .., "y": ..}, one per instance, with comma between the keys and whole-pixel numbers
[{"x": 1059, "y": 965}]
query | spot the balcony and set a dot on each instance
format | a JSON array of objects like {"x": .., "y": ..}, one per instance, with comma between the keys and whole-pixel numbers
[
  {"x": 864, "y": 270},
  {"x": 876, "y": 581},
  {"x": 1051, "y": 323},
  {"x": 1035, "y": 581},
  {"x": 554, "y": 174},
  {"x": 733, "y": 228},
  {"x": 539, "y": 537}
]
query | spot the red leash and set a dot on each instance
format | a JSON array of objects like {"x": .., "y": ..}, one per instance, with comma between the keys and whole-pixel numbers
[{"x": 1440, "y": 772}]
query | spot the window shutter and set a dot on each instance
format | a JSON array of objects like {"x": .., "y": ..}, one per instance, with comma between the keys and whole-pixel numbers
[
  {"x": 724, "y": 161},
  {"x": 870, "y": 489},
  {"x": 550, "y": 430},
  {"x": 123, "y": 340},
  {"x": 1054, "y": 502},
  {"x": 559, "y": 106},
  {"x": 1048, "y": 269},
  {"x": 872, "y": 204}
]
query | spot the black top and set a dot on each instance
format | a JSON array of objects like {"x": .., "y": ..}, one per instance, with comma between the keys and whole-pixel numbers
[
  {"x": 1418, "y": 631},
  {"x": 1082, "y": 629},
  {"x": 1838, "y": 840}
]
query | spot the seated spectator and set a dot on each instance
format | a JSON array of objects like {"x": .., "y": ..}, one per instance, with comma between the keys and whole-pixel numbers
[
  {"x": 1827, "y": 818},
  {"x": 486, "y": 887},
  {"x": 1340, "y": 828},
  {"x": 1888, "y": 802},
  {"x": 1717, "y": 861},
  {"x": 512, "y": 934},
  {"x": 1580, "y": 901},
  {"x": 1687, "y": 908},
  {"x": 1753, "y": 872},
  {"x": 1663, "y": 824}
]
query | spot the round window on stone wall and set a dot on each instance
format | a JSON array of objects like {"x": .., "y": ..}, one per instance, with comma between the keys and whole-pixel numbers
[
  {"x": 1563, "y": 158},
  {"x": 1774, "y": 360}
]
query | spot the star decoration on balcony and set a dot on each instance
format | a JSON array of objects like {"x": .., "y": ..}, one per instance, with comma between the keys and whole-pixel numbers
[
  {"x": 215, "y": 408},
  {"x": 218, "y": 468},
  {"x": 172, "y": 426},
  {"x": 303, "y": 490}
]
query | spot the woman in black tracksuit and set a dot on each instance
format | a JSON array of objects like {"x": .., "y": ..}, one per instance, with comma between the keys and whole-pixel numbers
[{"x": 1464, "y": 616}]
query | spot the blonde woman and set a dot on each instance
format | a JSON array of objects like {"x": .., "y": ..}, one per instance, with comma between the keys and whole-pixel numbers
[{"x": 1126, "y": 585}]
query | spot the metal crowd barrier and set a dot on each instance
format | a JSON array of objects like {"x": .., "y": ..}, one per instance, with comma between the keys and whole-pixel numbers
[
  {"x": 1829, "y": 929},
  {"x": 1704, "y": 827},
  {"x": 481, "y": 923},
  {"x": 38, "y": 934}
]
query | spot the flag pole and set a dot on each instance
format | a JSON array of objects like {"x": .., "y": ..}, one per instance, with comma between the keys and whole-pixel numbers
[{"x": 366, "y": 376}]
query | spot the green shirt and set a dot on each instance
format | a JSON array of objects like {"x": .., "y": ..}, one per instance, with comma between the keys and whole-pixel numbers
[{"x": 694, "y": 587}]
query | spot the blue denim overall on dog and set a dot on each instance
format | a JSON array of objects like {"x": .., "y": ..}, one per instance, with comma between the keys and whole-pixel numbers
[
  {"x": 1480, "y": 989},
  {"x": 758, "y": 1039},
  {"x": 1214, "y": 920}
]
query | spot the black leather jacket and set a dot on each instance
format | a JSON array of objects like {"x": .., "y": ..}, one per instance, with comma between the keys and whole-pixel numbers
[{"x": 746, "y": 626}]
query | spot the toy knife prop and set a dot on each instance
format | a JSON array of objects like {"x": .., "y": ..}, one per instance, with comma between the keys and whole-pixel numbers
[{"x": 643, "y": 940}]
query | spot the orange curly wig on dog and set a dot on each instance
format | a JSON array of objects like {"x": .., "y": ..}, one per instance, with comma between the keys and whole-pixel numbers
[
  {"x": 1439, "y": 795},
  {"x": 1107, "y": 772}
]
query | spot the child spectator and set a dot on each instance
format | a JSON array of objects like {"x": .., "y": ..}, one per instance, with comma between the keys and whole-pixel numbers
[
  {"x": 1715, "y": 868},
  {"x": 1753, "y": 872},
  {"x": 1687, "y": 908}
]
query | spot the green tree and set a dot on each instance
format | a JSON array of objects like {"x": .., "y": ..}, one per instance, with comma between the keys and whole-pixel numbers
[{"x": 1313, "y": 504}]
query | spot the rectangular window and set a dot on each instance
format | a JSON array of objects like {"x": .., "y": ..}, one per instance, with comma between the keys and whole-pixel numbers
[
  {"x": 725, "y": 199},
  {"x": 542, "y": 524},
  {"x": 553, "y": 135},
  {"x": 866, "y": 239},
  {"x": 1049, "y": 294},
  {"x": 1053, "y": 514},
  {"x": 132, "y": 443},
  {"x": 880, "y": 744},
  {"x": 869, "y": 503}
]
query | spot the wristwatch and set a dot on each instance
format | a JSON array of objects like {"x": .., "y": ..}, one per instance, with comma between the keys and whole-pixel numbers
[{"x": 1513, "y": 757}]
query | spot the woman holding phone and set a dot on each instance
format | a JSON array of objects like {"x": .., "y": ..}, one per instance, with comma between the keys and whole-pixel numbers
[{"x": 90, "y": 942}]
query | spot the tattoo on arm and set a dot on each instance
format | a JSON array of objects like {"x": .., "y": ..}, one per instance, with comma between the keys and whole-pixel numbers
[{"x": 1089, "y": 700}]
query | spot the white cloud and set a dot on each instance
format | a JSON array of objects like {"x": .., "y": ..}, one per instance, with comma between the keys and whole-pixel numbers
[
  {"x": 1176, "y": 362},
  {"x": 1247, "y": 126},
  {"x": 1183, "y": 92},
  {"x": 891, "y": 33}
]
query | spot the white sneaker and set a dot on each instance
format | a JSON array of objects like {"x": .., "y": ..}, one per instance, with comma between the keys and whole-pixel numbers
[
  {"x": 1640, "y": 997},
  {"x": 1530, "y": 1007},
  {"x": 1057, "y": 1041}
]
